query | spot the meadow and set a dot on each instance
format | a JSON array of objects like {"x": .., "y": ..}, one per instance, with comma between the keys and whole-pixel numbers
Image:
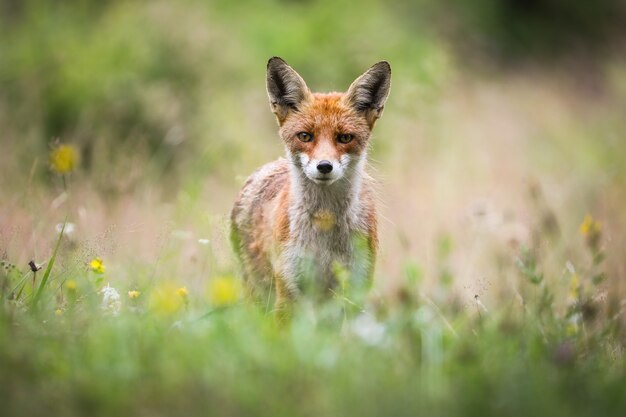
[{"x": 127, "y": 129}]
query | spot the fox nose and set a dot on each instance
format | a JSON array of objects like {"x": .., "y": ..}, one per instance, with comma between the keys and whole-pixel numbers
[{"x": 324, "y": 167}]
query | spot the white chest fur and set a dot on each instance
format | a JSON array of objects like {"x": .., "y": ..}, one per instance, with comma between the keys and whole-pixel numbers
[{"x": 325, "y": 226}]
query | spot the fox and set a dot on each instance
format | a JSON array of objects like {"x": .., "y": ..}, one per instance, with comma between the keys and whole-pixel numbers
[{"x": 310, "y": 216}]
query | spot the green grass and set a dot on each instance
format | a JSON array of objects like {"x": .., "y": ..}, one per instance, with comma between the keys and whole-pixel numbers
[{"x": 207, "y": 353}]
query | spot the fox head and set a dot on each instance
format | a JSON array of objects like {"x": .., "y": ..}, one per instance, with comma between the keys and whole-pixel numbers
[{"x": 326, "y": 135}]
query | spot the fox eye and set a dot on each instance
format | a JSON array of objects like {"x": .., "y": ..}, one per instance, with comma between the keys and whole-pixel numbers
[
  {"x": 344, "y": 138},
  {"x": 305, "y": 137}
]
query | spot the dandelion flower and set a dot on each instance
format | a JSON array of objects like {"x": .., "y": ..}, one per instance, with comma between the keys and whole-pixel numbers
[
  {"x": 224, "y": 291},
  {"x": 165, "y": 299},
  {"x": 111, "y": 300},
  {"x": 58, "y": 312},
  {"x": 134, "y": 294},
  {"x": 97, "y": 266},
  {"x": 63, "y": 159},
  {"x": 71, "y": 290},
  {"x": 182, "y": 292},
  {"x": 591, "y": 230},
  {"x": 589, "y": 226}
]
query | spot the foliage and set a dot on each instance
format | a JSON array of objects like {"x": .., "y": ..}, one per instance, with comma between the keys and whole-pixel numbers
[{"x": 167, "y": 349}]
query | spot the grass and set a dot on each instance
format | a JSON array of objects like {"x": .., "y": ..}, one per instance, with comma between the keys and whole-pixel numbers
[
  {"x": 499, "y": 288},
  {"x": 87, "y": 348}
]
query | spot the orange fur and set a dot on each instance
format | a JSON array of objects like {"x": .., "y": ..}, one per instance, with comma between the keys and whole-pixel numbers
[{"x": 293, "y": 211}]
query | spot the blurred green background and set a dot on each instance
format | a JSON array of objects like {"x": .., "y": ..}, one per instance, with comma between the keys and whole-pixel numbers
[
  {"x": 166, "y": 104},
  {"x": 181, "y": 85}
]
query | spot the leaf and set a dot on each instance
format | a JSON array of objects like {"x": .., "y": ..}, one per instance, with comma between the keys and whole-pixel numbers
[
  {"x": 535, "y": 279},
  {"x": 598, "y": 258},
  {"x": 413, "y": 272},
  {"x": 598, "y": 278},
  {"x": 445, "y": 246},
  {"x": 99, "y": 280},
  {"x": 446, "y": 278},
  {"x": 20, "y": 285}
]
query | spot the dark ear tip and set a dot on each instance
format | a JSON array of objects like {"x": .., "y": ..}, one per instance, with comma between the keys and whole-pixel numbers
[
  {"x": 382, "y": 66},
  {"x": 275, "y": 60}
]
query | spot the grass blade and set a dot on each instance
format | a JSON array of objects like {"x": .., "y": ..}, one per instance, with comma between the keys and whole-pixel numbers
[
  {"x": 20, "y": 285},
  {"x": 46, "y": 274}
]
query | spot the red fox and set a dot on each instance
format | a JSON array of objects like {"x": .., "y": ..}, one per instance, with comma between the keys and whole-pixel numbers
[{"x": 312, "y": 215}]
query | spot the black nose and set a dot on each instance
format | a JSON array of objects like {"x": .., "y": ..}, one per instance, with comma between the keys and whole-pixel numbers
[{"x": 324, "y": 167}]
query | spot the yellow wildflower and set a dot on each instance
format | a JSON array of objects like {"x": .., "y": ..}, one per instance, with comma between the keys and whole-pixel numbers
[
  {"x": 71, "y": 285},
  {"x": 182, "y": 292},
  {"x": 134, "y": 294},
  {"x": 58, "y": 312},
  {"x": 589, "y": 226},
  {"x": 592, "y": 231},
  {"x": 63, "y": 159},
  {"x": 224, "y": 291},
  {"x": 97, "y": 266},
  {"x": 165, "y": 299},
  {"x": 574, "y": 287}
]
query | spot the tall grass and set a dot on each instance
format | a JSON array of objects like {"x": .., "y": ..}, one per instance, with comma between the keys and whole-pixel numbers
[{"x": 99, "y": 345}]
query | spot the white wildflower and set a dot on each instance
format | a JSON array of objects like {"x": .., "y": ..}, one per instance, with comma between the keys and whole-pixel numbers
[
  {"x": 69, "y": 228},
  {"x": 111, "y": 300},
  {"x": 368, "y": 329},
  {"x": 203, "y": 241}
]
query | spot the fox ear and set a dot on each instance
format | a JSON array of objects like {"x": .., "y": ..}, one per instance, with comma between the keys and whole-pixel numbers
[
  {"x": 368, "y": 93},
  {"x": 285, "y": 87}
]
